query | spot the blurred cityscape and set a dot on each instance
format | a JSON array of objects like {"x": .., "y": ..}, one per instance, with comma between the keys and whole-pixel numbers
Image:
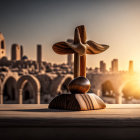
[{"x": 25, "y": 81}]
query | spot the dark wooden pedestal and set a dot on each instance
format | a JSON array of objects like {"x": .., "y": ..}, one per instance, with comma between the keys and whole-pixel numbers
[{"x": 77, "y": 102}]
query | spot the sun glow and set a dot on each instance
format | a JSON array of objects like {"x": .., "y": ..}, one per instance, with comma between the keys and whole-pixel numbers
[{"x": 132, "y": 88}]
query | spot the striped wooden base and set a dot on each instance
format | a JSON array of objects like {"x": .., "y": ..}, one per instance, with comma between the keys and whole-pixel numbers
[{"x": 77, "y": 102}]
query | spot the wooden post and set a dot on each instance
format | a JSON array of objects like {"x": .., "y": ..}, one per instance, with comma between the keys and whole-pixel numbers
[
  {"x": 76, "y": 65},
  {"x": 83, "y": 37},
  {"x": 80, "y": 61},
  {"x": 83, "y": 65},
  {"x": 76, "y": 55}
]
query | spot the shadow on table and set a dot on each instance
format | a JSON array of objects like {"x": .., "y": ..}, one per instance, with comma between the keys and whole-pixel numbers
[
  {"x": 48, "y": 110},
  {"x": 38, "y": 110}
]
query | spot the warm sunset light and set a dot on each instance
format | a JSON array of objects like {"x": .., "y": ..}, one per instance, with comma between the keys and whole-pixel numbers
[
  {"x": 115, "y": 23},
  {"x": 69, "y": 69},
  {"x": 132, "y": 88}
]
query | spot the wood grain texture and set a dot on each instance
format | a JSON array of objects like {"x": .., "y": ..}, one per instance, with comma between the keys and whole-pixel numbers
[
  {"x": 79, "y": 85},
  {"x": 82, "y": 33},
  {"x": 62, "y": 48},
  {"x": 77, "y": 102},
  {"x": 79, "y": 44},
  {"x": 95, "y": 48},
  {"x": 80, "y": 47}
]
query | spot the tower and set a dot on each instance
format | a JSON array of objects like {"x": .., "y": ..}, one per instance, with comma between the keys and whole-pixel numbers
[
  {"x": 39, "y": 55},
  {"x": 15, "y": 52},
  {"x": 131, "y": 70},
  {"x": 114, "y": 65},
  {"x": 69, "y": 59},
  {"x": 21, "y": 52},
  {"x": 102, "y": 66},
  {"x": 2, "y": 46}
]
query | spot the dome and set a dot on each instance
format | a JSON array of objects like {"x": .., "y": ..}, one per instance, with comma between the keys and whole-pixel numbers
[{"x": 24, "y": 58}]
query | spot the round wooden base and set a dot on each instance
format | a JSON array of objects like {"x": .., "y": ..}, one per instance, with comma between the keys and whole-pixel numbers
[{"x": 77, "y": 102}]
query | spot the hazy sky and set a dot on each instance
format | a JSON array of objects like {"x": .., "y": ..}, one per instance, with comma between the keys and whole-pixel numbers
[{"x": 116, "y": 23}]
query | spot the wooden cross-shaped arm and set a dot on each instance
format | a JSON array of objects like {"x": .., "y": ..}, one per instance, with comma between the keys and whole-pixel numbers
[{"x": 80, "y": 47}]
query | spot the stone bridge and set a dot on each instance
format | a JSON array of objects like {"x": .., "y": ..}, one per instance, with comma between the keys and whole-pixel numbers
[
  {"x": 42, "y": 85},
  {"x": 14, "y": 86},
  {"x": 117, "y": 80}
]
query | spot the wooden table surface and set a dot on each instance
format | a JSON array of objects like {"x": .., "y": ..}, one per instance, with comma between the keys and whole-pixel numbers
[
  {"x": 30, "y": 114},
  {"x": 120, "y": 121}
]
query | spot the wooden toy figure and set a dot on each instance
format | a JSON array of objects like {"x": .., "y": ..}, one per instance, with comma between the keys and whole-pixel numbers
[{"x": 79, "y": 99}]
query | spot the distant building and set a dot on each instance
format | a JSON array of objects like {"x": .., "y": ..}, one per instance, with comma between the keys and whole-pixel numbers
[
  {"x": 39, "y": 55},
  {"x": 2, "y": 46},
  {"x": 96, "y": 70},
  {"x": 21, "y": 51},
  {"x": 15, "y": 52},
  {"x": 114, "y": 65},
  {"x": 69, "y": 59},
  {"x": 102, "y": 66},
  {"x": 131, "y": 69}
]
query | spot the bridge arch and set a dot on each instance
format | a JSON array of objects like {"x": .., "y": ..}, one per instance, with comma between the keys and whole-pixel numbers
[
  {"x": 45, "y": 82},
  {"x": 131, "y": 81},
  {"x": 8, "y": 86},
  {"x": 35, "y": 84},
  {"x": 59, "y": 83},
  {"x": 107, "y": 88}
]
